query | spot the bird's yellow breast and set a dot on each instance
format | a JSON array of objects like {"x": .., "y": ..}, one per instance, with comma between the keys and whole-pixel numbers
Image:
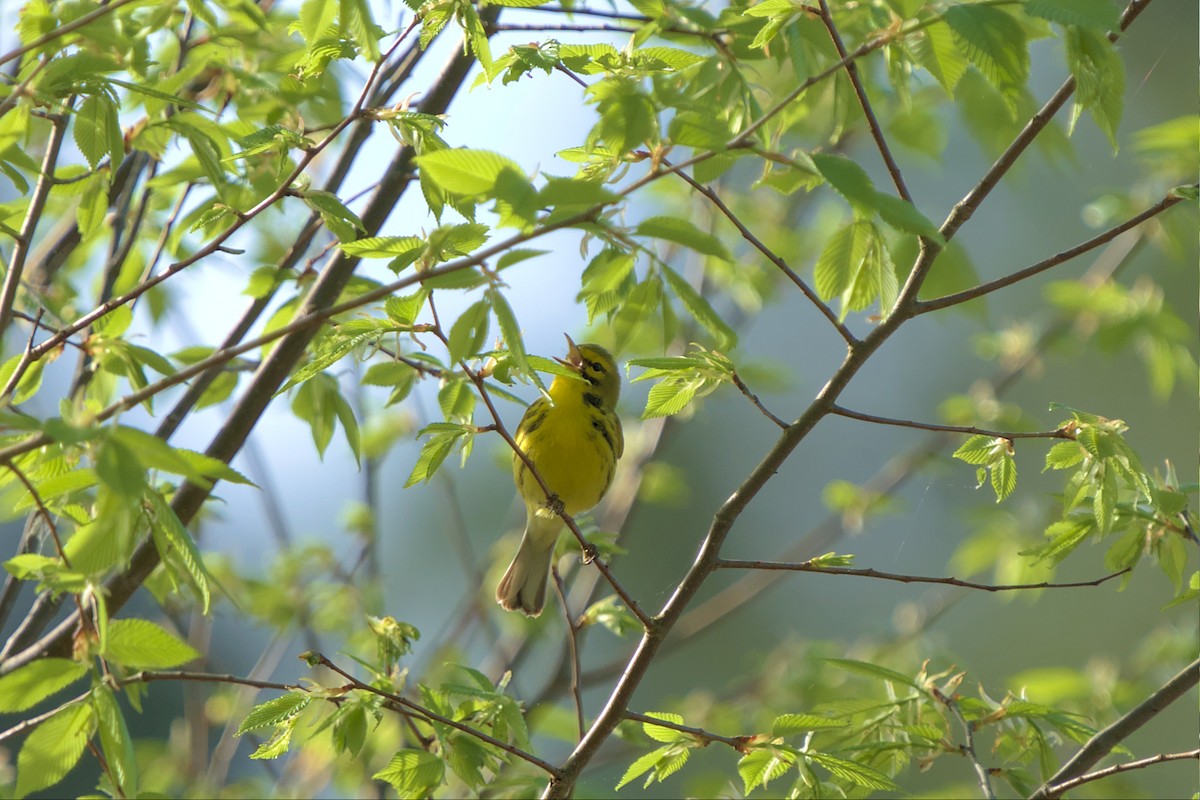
[{"x": 574, "y": 445}]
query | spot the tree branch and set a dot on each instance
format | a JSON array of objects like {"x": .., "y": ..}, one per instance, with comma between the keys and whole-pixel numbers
[
  {"x": 705, "y": 738},
  {"x": 744, "y": 389},
  {"x": 861, "y": 92},
  {"x": 63, "y": 30},
  {"x": 968, "y": 749},
  {"x": 407, "y": 706},
  {"x": 1058, "y": 433},
  {"x": 1103, "y": 742},
  {"x": 1059, "y": 789},
  {"x": 770, "y": 255},
  {"x": 1107, "y": 236},
  {"x": 24, "y": 240},
  {"x": 814, "y": 566}
]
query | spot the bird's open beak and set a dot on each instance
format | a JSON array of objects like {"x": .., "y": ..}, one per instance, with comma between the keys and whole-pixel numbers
[{"x": 574, "y": 359}]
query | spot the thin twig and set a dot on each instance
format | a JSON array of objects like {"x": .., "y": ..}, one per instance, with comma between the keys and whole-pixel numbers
[
  {"x": 431, "y": 716},
  {"x": 968, "y": 749},
  {"x": 63, "y": 30},
  {"x": 861, "y": 91},
  {"x": 243, "y": 218},
  {"x": 815, "y": 566},
  {"x": 572, "y": 648},
  {"x": 744, "y": 389},
  {"x": 1059, "y": 789},
  {"x": 24, "y": 240},
  {"x": 1107, "y": 236},
  {"x": 1058, "y": 433},
  {"x": 770, "y": 255},
  {"x": 1103, "y": 742},
  {"x": 739, "y": 743}
]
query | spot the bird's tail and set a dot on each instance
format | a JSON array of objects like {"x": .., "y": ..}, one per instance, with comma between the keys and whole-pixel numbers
[{"x": 523, "y": 587}]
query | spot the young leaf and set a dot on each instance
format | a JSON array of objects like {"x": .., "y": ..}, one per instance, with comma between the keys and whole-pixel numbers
[
  {"x": 54, "y": 748},
  {"x": 140, "y": 644},
  {"x": 31, "y": 684},
  {"x": 413, "y": 773},
  {"x": 275, "y": 711},
  {"x": 116, "y": 741},
  {"x": 465, "y": 172}
]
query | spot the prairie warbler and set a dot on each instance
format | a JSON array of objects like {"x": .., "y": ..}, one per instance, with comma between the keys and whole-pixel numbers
[{"x": 574, "y": 439}]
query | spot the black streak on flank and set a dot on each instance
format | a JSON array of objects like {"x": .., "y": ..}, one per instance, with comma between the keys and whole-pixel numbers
[{"x": 600, "y": 426}]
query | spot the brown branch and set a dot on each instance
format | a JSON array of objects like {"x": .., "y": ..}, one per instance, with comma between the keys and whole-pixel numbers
[
  {"x": 739, "y": 743},
  {"x": 1103, "y": 742},
  {"x": 572, "y": 648},
  {"x": 770, "y": 255},
  {"x": 63, "y": 30},
  {"x": 24, "y": 240},
  {"x": 744, "y": 389},
  {"x": 814, "y": 566},
  {"x": 33, "y": 722},
  {"x": 1053, "y": 261},
  {"x": 319, "y": 305},
  {"x": 432, "y": 716},
  {"x": 151, "y": 676},
  {"x": 243, "y": 218},
  {"x": 1059, "y": 433},
  {"x": 861, "y": 92},
  {"x": 968, "y": 749},
  {"x": 1059, "y": 789},
  {"x": 966, "y": 208}
]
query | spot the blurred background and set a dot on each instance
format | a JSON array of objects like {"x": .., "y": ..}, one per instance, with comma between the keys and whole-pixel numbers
[{"x": 435, "y": 541}]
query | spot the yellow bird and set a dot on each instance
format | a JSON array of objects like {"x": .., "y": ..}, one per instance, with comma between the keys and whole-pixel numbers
[{"x": 574, "y": 439}]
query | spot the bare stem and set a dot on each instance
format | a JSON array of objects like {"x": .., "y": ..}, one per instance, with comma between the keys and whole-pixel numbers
[
  {"x": 815, "y": 566},
  {"x": 1059, "y": 789},
  {"x": 1059, "y": 433},
  {"x": 1103, "y": 742},
  {"x": 968, "y": 749}
]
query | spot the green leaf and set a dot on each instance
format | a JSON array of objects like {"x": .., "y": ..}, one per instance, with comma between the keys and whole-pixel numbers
[
  {"x": 469, "y": 331},
  {"x": 465, "y": 172},
  {"x": 511, "y": 330},
  {"x": 789, "y": 724},
  {"x": 763, "y": 765},
  {"x": 668, "y": 397},
  {"x": 31, "y": 684},
  {"x": 116, "y": 741},
  {"x": 1064, "y": 455},
  {"x": 660, "y": 733},
  {"x": 872, "y": 671},
  {"x": 1004, "y": 476},
  {"x": 699, "y": 308},
  {"x": 404, "y": 310},
  {"x": 140, "y": 644},
  {"x": 176, "y": 546},
  {"x": 848, "y": 179},
  {"x": 98, "y": 131},
  {"x": 384, "y": 246},
  {"x": 995, "y": 42},
  {"x": 341, "y": 221},
  {"x": 858, "y": 774},
  {"x": 641, "y": 765},
  {"x": 434, "y": 452},
  {"x": 275, "y": 711},
  {"x": 1099, "y": 77},
  {"x": 1099, "y": 14},
  {"x": 54, "y": 748},
  {"x": 279, "y": 742},
  {"x": 119, "y": 468},
  {"x": 680, "y": 231},
  {"x": 413, "y": 773},
  {"x": 937, "y": 52},
  {"x": 842, "y": 258},
  {"x": 980, "y": 449},
  {"x": 904, "y": 216}
]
